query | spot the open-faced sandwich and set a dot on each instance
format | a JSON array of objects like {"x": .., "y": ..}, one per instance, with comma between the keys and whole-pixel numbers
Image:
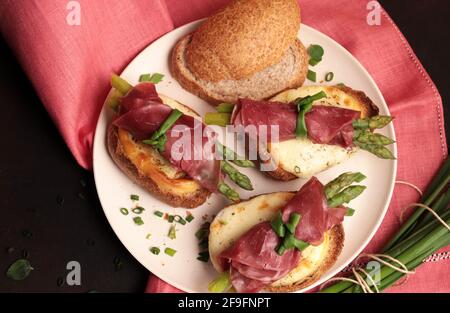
[
  {"x": 249, "y": 49},
  {"x": 144, "y": 141},
  {"x": 283, "y": 241},
  {"x": 318, "y": 127}
]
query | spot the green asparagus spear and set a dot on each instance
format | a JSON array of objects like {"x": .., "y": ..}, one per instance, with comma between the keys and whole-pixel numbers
[
  {"x": 379, "y": 151},
  {"x": 120, "y": 84},
  {"x": 345, "y": 196},
  {"x": 228, "y": 192},
  {"x": 342, "y": 181},
  {"x": 372, "y": 138},
  {"x": 232, "y": 156},
  {"x": 378, "y": 121},
  {"x": 240, "y": 179}
]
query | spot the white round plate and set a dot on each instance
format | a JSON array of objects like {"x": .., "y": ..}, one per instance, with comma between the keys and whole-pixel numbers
[{"x": 183, "y": 270}]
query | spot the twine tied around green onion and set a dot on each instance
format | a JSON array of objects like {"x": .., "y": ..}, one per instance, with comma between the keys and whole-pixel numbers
[{"x": 402, "y": 268}]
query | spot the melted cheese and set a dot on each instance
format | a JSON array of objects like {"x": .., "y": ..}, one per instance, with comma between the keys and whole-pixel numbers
[
  {"x": 302, "y": 157},
  {"x": 150, "y": 163},
  {"x": 235, "y": 220}
]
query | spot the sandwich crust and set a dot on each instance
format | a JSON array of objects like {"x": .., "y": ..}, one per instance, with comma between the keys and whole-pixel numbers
[{"x": 243, "y": 38}]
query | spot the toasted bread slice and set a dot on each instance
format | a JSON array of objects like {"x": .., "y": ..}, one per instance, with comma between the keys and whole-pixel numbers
[
  {"x": 235, "y": 220},
  {"x": 146, "y": 167},
  {"x": 301, "y": 157},
  {"x": 290, "y": 72}
]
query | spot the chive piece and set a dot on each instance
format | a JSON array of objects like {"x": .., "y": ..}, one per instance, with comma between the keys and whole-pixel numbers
[
  {"x": 145, "y": 78},
  {"x": 189, "y": 218},
  {"x": 225, "y": 108},
  {"x": 303, "y": 106},
  {"x": 170, "y": 251},
  {"x": 203, "y": 256},
  {"x": 219, "y": 119},
  {"x": 201, "y": 233},
  {"x": 281, "y": 249},
  {"x": 316, "y": 53},
  {"x": 277, "y": 225},
  {"x": 148, "y": 236},
  {"x": 172, "y": 232},
  {"x": 329, "y": 77},
  {"x": 120, "y": 84},
  {"x": 221, "y": 283},
  {"x": 138, "y": 210},
  {"x": 19, "y": 270},
  {"x": 138, "y": 220},
  {"x": 312, "y": 76},
  {"x": 294, "y": 219},
  {"x": 156, "y": 78},
  {"x": 170, "y": 218},
  {"x": 124, "y": 211},
  {"x": 158, "y": 213},
  {"x": 134, "y": 197},
  {"x": 313, "y": 62},
  {"x": 179, "y": 219},
  {"x": 350, "y": 212},
  {"x": 155, "y": 250},
  {"x": 159, "y": 137}
]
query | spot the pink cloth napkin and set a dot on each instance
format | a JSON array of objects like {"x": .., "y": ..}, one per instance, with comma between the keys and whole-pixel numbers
[{"x": 70, "y": 67}]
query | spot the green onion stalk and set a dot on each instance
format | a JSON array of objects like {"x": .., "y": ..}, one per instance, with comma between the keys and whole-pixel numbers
[{"x": 419, "y": 237}]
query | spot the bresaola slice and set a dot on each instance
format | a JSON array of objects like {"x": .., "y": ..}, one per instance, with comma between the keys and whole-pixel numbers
[
  {"x": 325, "y": 124},
  {"x": 189, "y": 146},
  {"x": 253, "y": 260}
]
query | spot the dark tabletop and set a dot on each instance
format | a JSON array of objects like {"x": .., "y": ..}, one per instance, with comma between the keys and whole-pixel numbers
[{"x": 50, "y": 212}]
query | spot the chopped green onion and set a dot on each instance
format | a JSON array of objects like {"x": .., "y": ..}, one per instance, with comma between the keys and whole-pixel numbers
[
  {"x": 189, "y": 218},
  {"x": 120, "y": 84},
  {"x": 138, "y": 220},
  {"x": 170, "y": 251},
  {"x": 155, "y": 250},
  {"x": 312, "y": 76},
  {"x": 145, "y": 78},
  {"x": 291, "y": 242},
  {"x": 148, "y": 236},
  {"x": 203, "y": 256},
  {"x": 221, "y": 283},
  {"x": 294, "y": 219},
  {"x": 134, "y": 197},
  {"x": 316, "y": 53},
  {"x": 124, "y": 211},
  {"x": 329, "y": 77},
  {"x": 277, "y": 225},
  {"x": 281, "y": 249},
  {"x": 158, "y": 213},
  {"x": 225, "y": 108},
  {"x": 219, "y": 119},
  {"x": 303, "y": 106},
  {"x": 170, "y": 218},
  {"x": 138, "y": 210},
  {"x": 156, "y": 78},
  {"x": 172, "y": 232},
  {"x": 350, "y": 212},
  {"x": 179, "y": 219},
  {"x": 159, "y": 137}
]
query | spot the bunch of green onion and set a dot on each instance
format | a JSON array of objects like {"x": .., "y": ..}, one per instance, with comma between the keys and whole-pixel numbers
[{"x": 418, "y": 238}]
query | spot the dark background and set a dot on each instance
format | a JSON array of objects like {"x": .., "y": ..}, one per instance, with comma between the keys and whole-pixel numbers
[{"x": 49, "y": 208}]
